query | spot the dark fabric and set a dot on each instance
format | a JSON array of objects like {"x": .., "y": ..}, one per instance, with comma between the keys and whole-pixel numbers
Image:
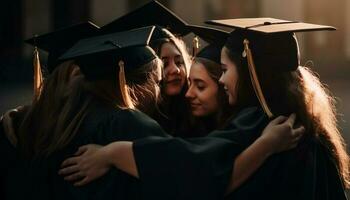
[
  {"x": 39, "y": 179},
  {"x": 306, "y": 172},
  {"x": 197, "y": 168},
  {"x": 173, "y": 115}
]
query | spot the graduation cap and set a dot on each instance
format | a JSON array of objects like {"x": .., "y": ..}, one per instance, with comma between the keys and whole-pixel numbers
[
  {"x": 57, "y": 42},
  {"x": 211, "y": 52},
  {"x": 215, "y": 39},
  {"x": 99, "y": 56},
  {"x": 266, "y": 43},
  {"x": 208, "y": 34},
  {"x": 152, "y": 13}
]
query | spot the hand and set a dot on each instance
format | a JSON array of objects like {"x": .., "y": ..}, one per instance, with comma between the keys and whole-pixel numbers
[
  {"x": 8, "y": 123},
  {"x": 90, "y": 162},
  {"x": 280, "y": 135}
]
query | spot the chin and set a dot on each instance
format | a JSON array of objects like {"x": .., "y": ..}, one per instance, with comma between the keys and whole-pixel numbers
[
  {"x": 199, "y": 114},
  {"x": 231, "y": 101},
  {"x": 196, "y": 114},
  {"x": 172, "y": 91}
]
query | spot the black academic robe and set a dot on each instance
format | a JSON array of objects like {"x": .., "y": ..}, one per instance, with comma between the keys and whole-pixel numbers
[
  {"x": 200, "y": 168},
  {"x": 39, "y": 179},
  {"x": 197, "y": 168},
  {"x": 306, "y": 172}
]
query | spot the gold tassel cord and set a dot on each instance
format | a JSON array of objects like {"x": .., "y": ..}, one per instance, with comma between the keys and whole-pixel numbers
[
  {"x": 123, "y": 87},
  {"x": 255, "y": 80},
  {"x": 195, "y": 46},
  {"x": 38, "y": 77}
]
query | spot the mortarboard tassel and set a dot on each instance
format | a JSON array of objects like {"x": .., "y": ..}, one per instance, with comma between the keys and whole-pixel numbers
[
  {"x": 254, "y": 79},
  {"x": 123, "y": 87},
  {"x": 38, "y": 77},
  {"x": 195, "y": 46}
]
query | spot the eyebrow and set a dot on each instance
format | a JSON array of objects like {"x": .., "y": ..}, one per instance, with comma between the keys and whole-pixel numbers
[
  {"x": 178, "y": 57},
  {"x": 165, "y": 57},
  {"x": 197, "y": 80}
]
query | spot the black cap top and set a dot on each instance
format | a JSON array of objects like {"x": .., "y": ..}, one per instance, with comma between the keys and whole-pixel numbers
[
  {"x": 211, "y": 52},
  {"x": 216, "y": 39},
  {"x": 272, "y": 41},
  {"x": 266, "y": 44},
  {"x": 209, "y": 35},
  {"x": 160, "y": 34},
  {"x": 99, "y": 56},
  {"x": 152, "y": 13},
  {"x": 57, "y": 42}
]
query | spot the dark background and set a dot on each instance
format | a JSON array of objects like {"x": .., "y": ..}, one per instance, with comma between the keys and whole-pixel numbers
[{"x": 22, "y": 19}]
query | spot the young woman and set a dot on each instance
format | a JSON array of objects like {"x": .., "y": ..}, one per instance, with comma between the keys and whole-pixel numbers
[
  {"x": 207, "y": 98},
  {"x": 319, "y": 167},
  {"x": 90, "y": 108},
  {"x": 55, "y": 44},
  {"x": 173, "y": 110},
  {"x": 191, "y": 168}
]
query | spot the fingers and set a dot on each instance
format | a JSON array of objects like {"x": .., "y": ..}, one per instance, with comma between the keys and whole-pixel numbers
[
  {"x": 278, "y": 120},
  {"x": 70, "y": 161},
  {"x": 68, "y": 170},
  {"x": 297, "y": 135},
  {"x": 81, "y": 150},
  {"x": 292, "y": 146},
  {"x": 82, "y": 182},
  {"x": 291, "y": 120},
  {"x": 74, "y": 177},
  {"x": 299, "y": 131}
]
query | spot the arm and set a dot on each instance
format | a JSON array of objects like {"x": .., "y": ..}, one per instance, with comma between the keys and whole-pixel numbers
[
  {"x": 279, "y": 135},
  {"x": 121, "y": 155}
]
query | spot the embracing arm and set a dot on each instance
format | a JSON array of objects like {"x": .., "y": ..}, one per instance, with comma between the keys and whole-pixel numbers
[
  {"x": 93, "y": 161},
  {"x": 246, "y": 163},
  {"x": 279, "y": 135}
]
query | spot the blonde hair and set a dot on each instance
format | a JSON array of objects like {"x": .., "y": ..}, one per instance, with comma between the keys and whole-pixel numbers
[{"x": 321, "y": 107}]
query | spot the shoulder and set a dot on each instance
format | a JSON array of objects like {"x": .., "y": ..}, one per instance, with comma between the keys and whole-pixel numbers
[
  {"x": 136, "y": 123},
  {"x": 245, "y": 127},
  {"x": 249, "y": 118}
]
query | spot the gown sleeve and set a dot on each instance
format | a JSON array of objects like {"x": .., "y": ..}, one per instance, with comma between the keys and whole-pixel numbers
[{"x": 197, "y": 168}]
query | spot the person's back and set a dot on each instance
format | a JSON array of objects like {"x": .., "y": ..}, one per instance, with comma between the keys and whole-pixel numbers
[
  {"x": 103, "y": 125},
  {"x": 39, "y": 179}
]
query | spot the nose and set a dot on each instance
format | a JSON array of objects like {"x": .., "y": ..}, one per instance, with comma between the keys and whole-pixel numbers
[
  {"x": 221, "y": 80},
  {"x": 172, "y": 68},
  {"x": 189, "y": 94}
]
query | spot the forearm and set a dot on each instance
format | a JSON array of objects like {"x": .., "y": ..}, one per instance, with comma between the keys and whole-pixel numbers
[
  {"x": 248, "y": 162},
  {"x": 121, "y": 156}
]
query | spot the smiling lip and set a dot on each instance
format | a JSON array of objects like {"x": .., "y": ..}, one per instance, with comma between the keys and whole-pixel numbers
[
  {"x": 195, "y": 105},
  {"x": 174, "y": 81}
]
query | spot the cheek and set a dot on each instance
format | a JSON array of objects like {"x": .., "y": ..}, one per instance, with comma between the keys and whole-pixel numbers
[
  {"x": 209, "y": 100},
  {"x": 231, "y": 80}
]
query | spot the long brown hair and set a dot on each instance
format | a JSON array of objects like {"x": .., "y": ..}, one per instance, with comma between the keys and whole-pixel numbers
[
  {"x": 173, "y": 112},
  {"x": 214, "y": 71},
  {"x": 48, "y": 124},
  {"x": 301, "y": 92},
  {"x": 55, "y": 118}
]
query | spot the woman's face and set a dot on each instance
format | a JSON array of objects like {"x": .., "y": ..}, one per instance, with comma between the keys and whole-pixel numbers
[
  {"x": 229, "y": 77},
  {"x": 174, "y": 69},
  {"x": 203, "y": 91}
]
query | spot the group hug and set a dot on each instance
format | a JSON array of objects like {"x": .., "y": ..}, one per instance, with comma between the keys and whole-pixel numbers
[{"x": 130, "y": 111}]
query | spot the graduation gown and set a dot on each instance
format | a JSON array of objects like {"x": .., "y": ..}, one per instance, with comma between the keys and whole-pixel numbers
[
  {"x": 197, "y": 168},
  {"x": 306, "y": 172},
  {"x": 201, "y": 168},
  {"x": 39, "y": 179}
]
